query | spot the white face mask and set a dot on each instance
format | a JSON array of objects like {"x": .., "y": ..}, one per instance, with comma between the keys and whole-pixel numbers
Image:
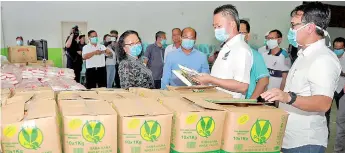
[{"x": 272, "y": 43}]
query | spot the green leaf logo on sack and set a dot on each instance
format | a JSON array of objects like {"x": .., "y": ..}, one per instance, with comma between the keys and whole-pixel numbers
[
  {"x": 261, "y": 131},
  {"x": 205, "y": 126},
  {"x": 150, "y": 130},
  {"x": 93, "y": 131},
  {"x": 30, "y": 138}
]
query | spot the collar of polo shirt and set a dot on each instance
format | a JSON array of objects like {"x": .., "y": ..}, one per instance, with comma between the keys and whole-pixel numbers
[
  {"x": 233, "y": 40},
  {"x": 310, "y": 48}
]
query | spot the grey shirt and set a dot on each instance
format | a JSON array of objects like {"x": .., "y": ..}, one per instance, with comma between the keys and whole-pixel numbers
[{"x": 155, "y": 63}]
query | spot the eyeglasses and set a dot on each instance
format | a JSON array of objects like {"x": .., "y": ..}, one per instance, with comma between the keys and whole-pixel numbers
[
  {"x": 186, "y": 37},
  {"x": 294, "y": 25},
  {"x": 244, "y": 33},
  {"x": 132, "y": 44}
]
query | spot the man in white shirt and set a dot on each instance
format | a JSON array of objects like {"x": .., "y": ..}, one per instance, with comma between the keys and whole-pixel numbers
[
  {"x": 176, "y": 38},
  {"x": 310, "y": 83},
  {"x": 339, "y": 46},
  {"x": 94, "y": 54},
  {"x": 231, "y": 70},
  {"x": 275, "y": 60}
]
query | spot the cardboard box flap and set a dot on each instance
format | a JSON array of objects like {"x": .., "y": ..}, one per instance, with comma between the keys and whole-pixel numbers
[
  {"x": 72, "y": 95},
  {"x": 12, "y": 113},
  {"x": 85, "y": 107},
  {"x": 203, "y": 103},
  {"x": 40, "y": 109},
  {"x": 44, "y": 94},
  {"x": 139, "y": 107},
  {"x": 190, "y": 87},
  {"x": 180, "y": 104},
  {"x": 21, "y": 98},
  {"x": 110, "y": 90},
  {"x": 149, "y": 93}
]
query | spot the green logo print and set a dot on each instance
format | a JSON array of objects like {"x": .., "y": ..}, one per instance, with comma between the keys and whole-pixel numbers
[
  {"x": 93, "y": 131},
  {"x": 205, "y": 126},
  {"x": 150, "y": 130},
  {"x": 261, "y": 131},
  {"x": 30, "y": 138}
]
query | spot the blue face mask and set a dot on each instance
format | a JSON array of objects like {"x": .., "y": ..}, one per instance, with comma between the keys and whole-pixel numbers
[
  {"x": 265, "y": 42},
  {"x": 136, "y": 50},
  {"x": 187, "y": 43},
  {"x": 292, "y": 38},
  {"x": 339, "y": 51},
  {"x": 94, "y": 40},
  {"x": 163, "y": 42},
  {"x": 19, "y": 42},
  {"x": 221, "y": 34}
]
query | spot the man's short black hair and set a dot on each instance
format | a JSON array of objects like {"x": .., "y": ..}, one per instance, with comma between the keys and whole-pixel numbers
[
  {"x": 81, "y": 36},
  {"x": 247, "y": 25},
  {"x": 159, "y": 34},
  {"x": 114, "y": 32},
  {"x": 339, "y": 39},
  {"x": 189, "y": 28},
  {"x": 317, "y": 13},
  {"x": 89, "y": 33},
  {"x": 280, "y": 35},
  {"x": 176, "y": 29},
  {"x": 229, "y": 10},
  {"x": 20, "y": 37},
  {"x": 105, "y": 36}
]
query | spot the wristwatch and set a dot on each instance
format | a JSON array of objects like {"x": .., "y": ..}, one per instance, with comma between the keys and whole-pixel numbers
[{"x": 293, "y": 98}]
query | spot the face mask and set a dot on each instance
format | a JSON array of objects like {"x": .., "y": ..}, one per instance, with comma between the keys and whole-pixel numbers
[
  {"x": 265, "y": 42},
  {"x": 163, "y": 42},
  {"x": 113, "y": 38},
  {"x": 339, "y": 52},
  {"x": 272, "y": 43},
  {"x": 187, "y": 43},
  {"x": 221, "y": 34},
  {"x": 19, "y": 42},
  {"x": 243, "y": 37},
  {"x": 135, "y": 50},
  {"x": 293, "y": 35},
  {"x": 94, "y": 40},
  {"x": 291, "y": 38}
]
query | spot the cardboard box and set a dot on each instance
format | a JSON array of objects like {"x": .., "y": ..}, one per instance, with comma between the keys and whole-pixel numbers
[
  {"x": 144, "y": 126},
  {"x": 115, "y": 96},
  {"x": 47, "y": 63},
  {"x": 74, "y": 95},
  {"x": 22, "y": 54},
  {"x": 37, "y": 131},
  {"x": 255, "y": 128},
  {"x": 197, "y": 125},
  {"x": 110, "y": 90},
  {"x": 88, "y": 126},
  {"x": 149, "y": 93},
  {"x": 200, "y": 91}
]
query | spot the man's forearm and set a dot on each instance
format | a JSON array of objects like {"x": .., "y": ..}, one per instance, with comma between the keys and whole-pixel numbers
[
  {"x": 88, "y": 55},
  {"x": 230, "y": 84},
  {"x": 313, "y": 103},
  {"x": 260, "y": 87}
]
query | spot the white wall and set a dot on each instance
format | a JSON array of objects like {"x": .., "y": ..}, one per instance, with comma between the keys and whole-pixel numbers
[{"x": 43, "y": 19}]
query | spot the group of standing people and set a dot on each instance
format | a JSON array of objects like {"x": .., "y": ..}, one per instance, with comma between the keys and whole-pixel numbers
[{"x": 304, "y": 89}]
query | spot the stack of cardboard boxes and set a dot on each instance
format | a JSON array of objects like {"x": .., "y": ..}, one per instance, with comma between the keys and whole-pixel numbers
[
  {"x": 139, "y": 121},
  {"x": 26, "y": 55}
]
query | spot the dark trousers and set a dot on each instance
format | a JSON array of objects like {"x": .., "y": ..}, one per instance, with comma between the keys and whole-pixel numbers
[
  {"x": 96, "y": 77},
  {"x": 76, "y": 66},
  {"x": 336, "y": 98},
  {"x": 117, "y": 77},
  {"x": 157, "y": 84}
]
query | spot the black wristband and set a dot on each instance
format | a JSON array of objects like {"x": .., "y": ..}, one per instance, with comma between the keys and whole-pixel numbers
[{"x": 293, "y": 98}]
